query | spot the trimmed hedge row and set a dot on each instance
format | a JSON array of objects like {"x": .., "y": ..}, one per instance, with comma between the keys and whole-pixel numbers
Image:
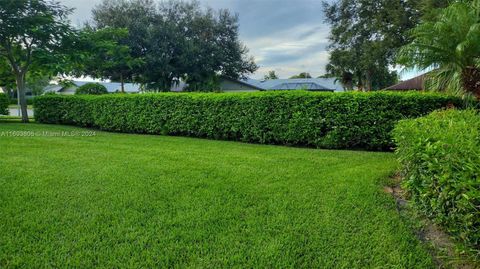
[
  {"x": 325, "y": 120},
  {"x": 4, "y": 102},
  {"x": 440, "y": 157}
]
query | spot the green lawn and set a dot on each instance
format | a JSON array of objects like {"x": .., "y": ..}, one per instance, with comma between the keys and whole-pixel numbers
[{"x": 120, "y": 200}]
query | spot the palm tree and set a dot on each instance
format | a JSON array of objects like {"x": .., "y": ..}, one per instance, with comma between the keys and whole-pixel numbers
[{"x": 450, "y": 46}]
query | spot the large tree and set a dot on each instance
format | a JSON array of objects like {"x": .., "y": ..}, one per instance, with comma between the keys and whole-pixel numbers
[
  {"x": 178, "y": 40},
  {"x": 107, "y": 55},
  {"x": 31, "y": 34},
  {"x": 450, "y": 45},
  {"x": 366, "y": 36}
]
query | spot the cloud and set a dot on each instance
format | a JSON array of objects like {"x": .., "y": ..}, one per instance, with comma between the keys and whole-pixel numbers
[{"x": 283, "y": 35}]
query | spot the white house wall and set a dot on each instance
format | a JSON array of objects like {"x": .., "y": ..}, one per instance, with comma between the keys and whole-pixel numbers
[{"x": 232, "y": 86}]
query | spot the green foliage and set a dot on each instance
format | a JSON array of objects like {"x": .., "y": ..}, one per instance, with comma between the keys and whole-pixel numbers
[
  {"x": 4, "y": 102},
  {"x": 211, "y": 84},
  {"x": 37, "y": 84},
  {"x": 302, "y": 75},
  {"x": 177, "y": 40},
  {"x": 7, "y": 79},
  {"x": 326, "y": 120},
  {"x": 91, "y": 88},
  {"x": 108, "y": 56},
  {"x": 270, "y": 75},
  {"x": 14, "y": 101},
  {"x": 451, "y": 45},
  {"x": 33, "y": 36},
  {"x": 365, "y": 36},
  {"x": 440, "y": 157}
]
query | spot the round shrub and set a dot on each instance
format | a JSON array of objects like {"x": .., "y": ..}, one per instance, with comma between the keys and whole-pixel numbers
[
  {"x": 440, "y": 157},
  {"x": 3, "y": 104},
  {"x": 92, "y": 88}
]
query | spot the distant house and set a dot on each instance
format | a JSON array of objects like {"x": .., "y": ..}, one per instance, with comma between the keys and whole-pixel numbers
[
  {"x": 234, "y": 85},
  {"x": 226, "y": 85},
  {"x": 253, "y": 85},
  {"x": 310, "y": 84},
  {"x": 416, "y": 83},
  {"x": 112, "y": 87}
]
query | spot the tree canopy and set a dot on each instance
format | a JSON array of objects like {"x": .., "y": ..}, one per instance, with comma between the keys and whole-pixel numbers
[
  {"x": 178, "y": 40},
  {"x": 450, "y": 45},
  {"x": 366, "y": 36},
  {"x": 302, "y": 75},
  {"x": 270, "y": 75},
  {"x": 107, "y": 55},
  {"x": 32, "y": 35}
]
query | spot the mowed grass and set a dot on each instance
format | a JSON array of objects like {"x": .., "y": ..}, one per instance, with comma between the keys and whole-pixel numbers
[{"x": 122, "y": 200}]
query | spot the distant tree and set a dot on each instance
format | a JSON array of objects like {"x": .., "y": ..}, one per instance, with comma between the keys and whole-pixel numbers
[
  {"x": 178, "y": 40},
  {"x": 342, "y": 67},
  {"x": 451, "y": 46},
  {"x": 107, "y": 56},
  {"x": 91, "y": 88},
  {"x": 31, "y": 35},
  {"x": 366, "y": 36},
  {"x": 37, "y": 83},
  {"x": 302, "y": 75},
  {"x": 7, "y": 79},
  {"x": 270, "y": 75},
  {"x": 4, "y": 102},
  {"x": 34, "y": 81}
]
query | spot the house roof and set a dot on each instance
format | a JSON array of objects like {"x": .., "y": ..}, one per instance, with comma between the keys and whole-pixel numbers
[
  {"x": 312, "y": 84},
  {"x": 416, "y": 83},
  {"x": 53, "y": 88},
  {"x": 247, "y": 82},
  {"x": 113, "y": 87},
  {"x": 319, "y": 84}
]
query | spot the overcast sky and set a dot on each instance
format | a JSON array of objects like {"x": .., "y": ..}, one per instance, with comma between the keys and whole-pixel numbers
[{"x": 287, "y": 36}]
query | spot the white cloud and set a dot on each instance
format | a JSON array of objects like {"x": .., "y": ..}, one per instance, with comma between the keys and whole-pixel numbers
[{"x": 282, "y": 35}]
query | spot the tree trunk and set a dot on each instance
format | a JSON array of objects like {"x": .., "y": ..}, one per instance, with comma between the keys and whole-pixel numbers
[
  {"x": 123, "y": 84},
  {"x": 471, "y": 81},
  {"x": 368, "y": 82},
  {"x": 20, "y": 79}
]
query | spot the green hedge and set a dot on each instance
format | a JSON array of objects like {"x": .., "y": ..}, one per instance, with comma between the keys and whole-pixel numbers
[
  {"x": 440, "y": 157},
  {"x": 4, "y": 102},
  {"x": 326, "y": 120}
]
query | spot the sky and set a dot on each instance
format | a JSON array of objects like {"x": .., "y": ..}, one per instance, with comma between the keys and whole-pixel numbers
[{"x": 288, "y": 36}]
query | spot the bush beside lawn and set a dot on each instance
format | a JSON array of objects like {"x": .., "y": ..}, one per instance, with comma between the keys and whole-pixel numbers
[
  {"x": 4, "y": 102},
  {"x": 324, "y": 120},
  {"x": 440, "y": 157}
]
